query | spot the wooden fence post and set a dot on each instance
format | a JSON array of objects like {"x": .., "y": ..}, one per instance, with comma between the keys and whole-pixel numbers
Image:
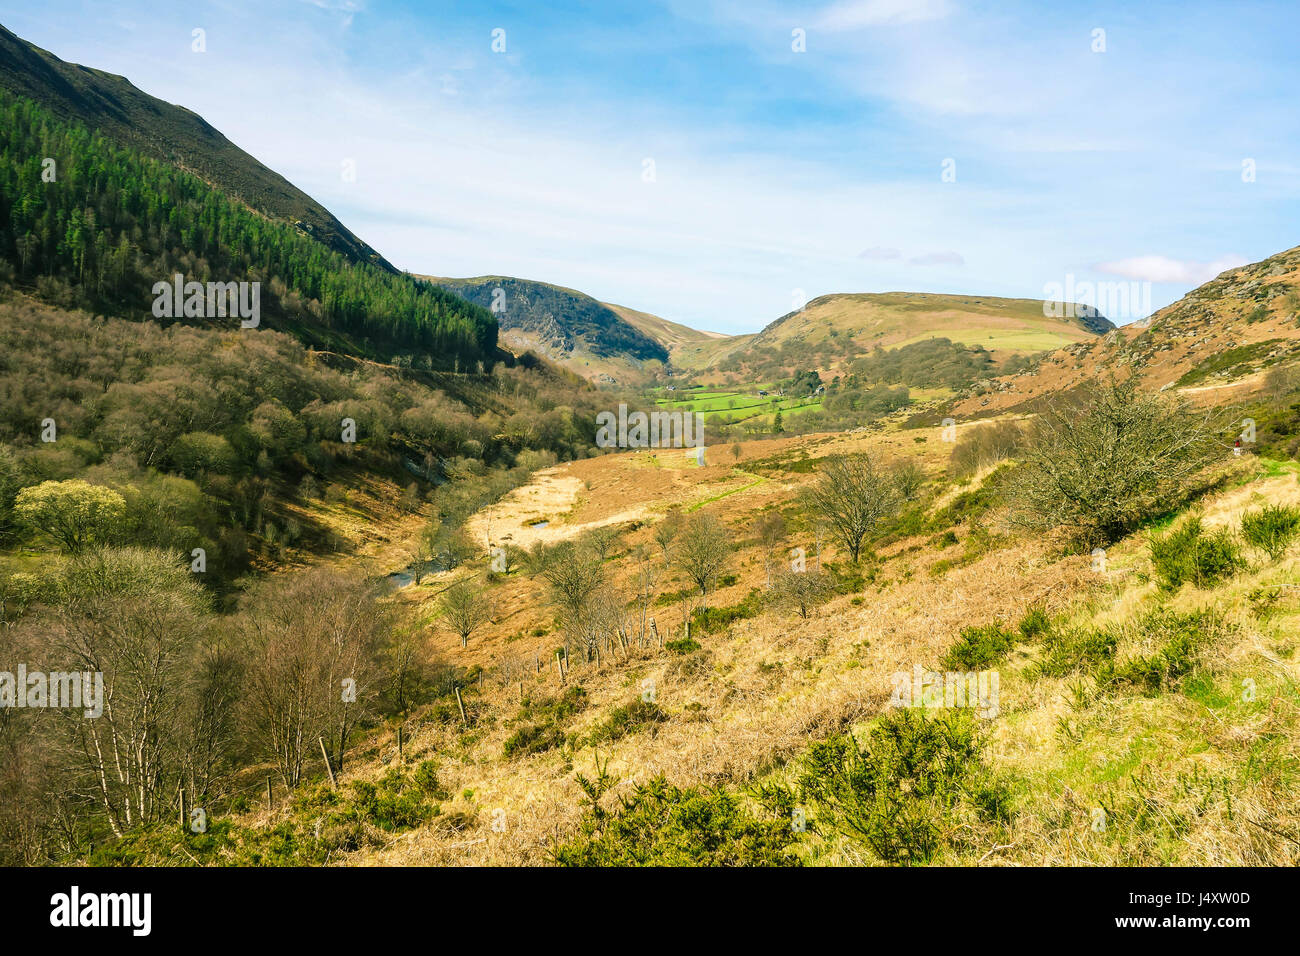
[
  {"x": 461, "y": 704},
  {"x": 326, "y": 754}
]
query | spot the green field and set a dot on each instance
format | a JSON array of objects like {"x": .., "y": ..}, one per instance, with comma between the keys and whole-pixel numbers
[
  {"x": 742, "y": 404},
  {"x": 1016, "y": 340}
]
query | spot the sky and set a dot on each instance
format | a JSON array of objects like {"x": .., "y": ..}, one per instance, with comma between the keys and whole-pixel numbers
[{"x": 718, "y": 162}]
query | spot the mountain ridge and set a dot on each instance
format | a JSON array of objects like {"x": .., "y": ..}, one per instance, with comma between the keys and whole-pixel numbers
[{"x": 122, "y": 112}]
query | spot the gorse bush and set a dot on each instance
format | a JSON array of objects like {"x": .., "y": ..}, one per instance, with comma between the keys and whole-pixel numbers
[
  {"x": 906, "y": 788},
  {"x": 628, "y": 719},
  {"x": 1272, "y": 529},
  {"x": 662, "y": 825},
  {"x": 542, "y": 728},
  {"x": 1072, "y": 650},
  {"x": 1034, "y": 623},
  {"x": 978, "y": 648},
  {"x": 532, "y": 739},
  {"x": 1190, "y": 554},
  {"x": 1179, "y": 639}
]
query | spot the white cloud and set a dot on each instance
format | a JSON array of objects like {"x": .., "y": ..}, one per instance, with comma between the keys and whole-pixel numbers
[
  {"x": 879, "y": 254},
  {"x": 859, "y": 14},
  {"x": 1165, "y": 269}
]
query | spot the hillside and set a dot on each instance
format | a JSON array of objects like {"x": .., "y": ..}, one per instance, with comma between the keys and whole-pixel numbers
[
  {"x": 570, "y": 328},
  {"x": 112, "y": 222},
  {"x": 832, "y": 330},
  {"x": 171, "y": 134},
  {"x": 1220, "y": 338},
  {"x": 1119, "y": 697}
]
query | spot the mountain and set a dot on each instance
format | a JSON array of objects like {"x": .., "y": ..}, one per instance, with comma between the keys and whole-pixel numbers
[
  {"x": 832, "y": 330},
  {"x": 603, "y": 343},
  {"x": 109, "y": 221},
  {"x": 172, "y": 134},
  {"x": 1220, "y": 338}
]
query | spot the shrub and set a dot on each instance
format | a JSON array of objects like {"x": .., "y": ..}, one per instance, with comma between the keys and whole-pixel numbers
[
  {"x": 1180, "y": 637},
  {"x": 628, "y": 719},
  {"x": 901, "y": 790},
  {"x": 1034, "y": 623},
  {"x": 1099, "y": 466},
  {"x": 1191, "y": 554},
  {"x": 426, "y": 778},
  {"x": 800, "y": 591},
  {"x": 711, "y": 620},
  {"x": 532, "y": 739},
  {"x": 983, "y": 446},
  {"x": 978, "y": 647},
  {"x": 1272, "y": 529},
  {"x": 662, "y": 825},
  {"x": 1075, "y": 649}
]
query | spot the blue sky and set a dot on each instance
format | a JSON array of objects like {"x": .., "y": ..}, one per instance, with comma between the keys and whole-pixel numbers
[{"x": 777, "y": 175}]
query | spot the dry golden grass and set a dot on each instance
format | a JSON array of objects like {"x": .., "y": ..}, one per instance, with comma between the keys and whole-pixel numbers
[{"x": 1184, "y": 781}]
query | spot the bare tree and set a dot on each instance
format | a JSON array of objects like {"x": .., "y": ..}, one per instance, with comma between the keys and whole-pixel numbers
[
  {"x": 800, "y": 591},
  {"x": 852, "y": 496},
  {"x": 601, "y": 540},
  {"x": 666, "y": 532},
  {"x": 313, "y": 647},
  {"x": 574, "y": 573},
  {"x": 702, "y": 550},
  {"x": 770, "y": 528},
  {"x": 132, "y": 615},
  {"x": 465, "y": 610},
  {"x": 908, "y": 477}
]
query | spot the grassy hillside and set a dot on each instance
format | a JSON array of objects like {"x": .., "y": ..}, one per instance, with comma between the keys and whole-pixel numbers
[
  {"x": 832, "y": 330},
  {"x": 1220, "y": 340},
  {"x": 1143, "y": 716}
]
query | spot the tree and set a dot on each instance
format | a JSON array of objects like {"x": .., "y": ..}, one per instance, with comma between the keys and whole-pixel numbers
[
  {"x": 74, "y": 513},
  {"x": 852, "y": 495},
  {"x": 1098, "y": 465},
  {"x": 312, "y": 642},
  {"x": 602, "y": 540},
  {"x": 771, "y": 531},
  {"x": 134, "y": 616},
  {"x": 666, "y": 531},
  {"x": 800, "y": 591},
  {"x": 703, "y": 548},
  {"x": 908, "y": 476},
  {"x": 464, "y": 609},
  {"x": 574, "y": 573},
  {"x": 10, "y": 484}
]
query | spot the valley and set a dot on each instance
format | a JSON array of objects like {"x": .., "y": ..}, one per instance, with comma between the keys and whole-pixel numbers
[{"x": 373, "y": 577}]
